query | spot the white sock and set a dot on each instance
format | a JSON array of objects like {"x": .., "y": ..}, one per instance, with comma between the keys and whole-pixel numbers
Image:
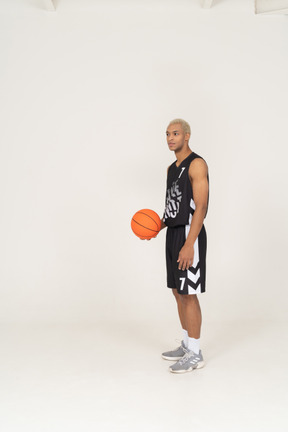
[
  {"x": 194, "y": 345},
  {"x": 185, "y": 338}
]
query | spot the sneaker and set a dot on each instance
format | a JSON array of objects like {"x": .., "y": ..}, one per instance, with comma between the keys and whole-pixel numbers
[
  {"x": 176, "y": 354},
  {"x": 188, "y": 362}
]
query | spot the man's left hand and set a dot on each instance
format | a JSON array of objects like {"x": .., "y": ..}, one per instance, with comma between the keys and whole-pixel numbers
[{"x": 186, "y": 257}]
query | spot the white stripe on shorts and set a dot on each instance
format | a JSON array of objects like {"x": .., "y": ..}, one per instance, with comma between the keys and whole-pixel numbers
[{"x": 190, "y": 275}]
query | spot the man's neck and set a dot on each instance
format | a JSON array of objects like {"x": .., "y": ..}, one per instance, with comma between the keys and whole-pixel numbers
[{"x": 183, "y": 154}]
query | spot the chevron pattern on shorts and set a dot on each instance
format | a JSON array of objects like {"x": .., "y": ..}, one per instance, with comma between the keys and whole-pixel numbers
[
  {"x": 193, "y": 274},
  {"x": 194, "y": 270},
  {"x": 196, "y": 289},
  {"x": 194, "y": 278}
]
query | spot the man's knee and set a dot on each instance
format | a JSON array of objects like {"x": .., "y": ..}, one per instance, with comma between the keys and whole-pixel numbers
[
  {"x": 185, "y": 298},
  {"x": 188, "y": 298}
]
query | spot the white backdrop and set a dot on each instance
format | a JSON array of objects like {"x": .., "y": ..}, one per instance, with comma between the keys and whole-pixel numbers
[{"x": 86, "y": 95}]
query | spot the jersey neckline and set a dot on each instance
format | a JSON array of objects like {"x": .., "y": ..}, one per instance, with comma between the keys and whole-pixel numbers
[{"x": 183, "y": 160}]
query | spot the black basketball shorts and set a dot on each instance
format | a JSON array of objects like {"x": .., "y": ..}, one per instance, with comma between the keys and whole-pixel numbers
[{"x": 191, "y": 281}]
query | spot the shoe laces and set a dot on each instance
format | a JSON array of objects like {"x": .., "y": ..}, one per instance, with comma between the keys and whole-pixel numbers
[{"x": 185, "y": 357}]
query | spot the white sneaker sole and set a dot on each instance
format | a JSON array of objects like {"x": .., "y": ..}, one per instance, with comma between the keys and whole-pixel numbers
[
  {"x": 171, "y": 358},
  {"x": 199, "y": 366}
]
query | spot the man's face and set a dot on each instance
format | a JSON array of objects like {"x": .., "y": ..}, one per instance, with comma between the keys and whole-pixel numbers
[{"x": 176, "y": 138}]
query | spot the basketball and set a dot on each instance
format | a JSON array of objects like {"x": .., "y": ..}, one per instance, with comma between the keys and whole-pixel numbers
[{"x": 146, "y": 224}]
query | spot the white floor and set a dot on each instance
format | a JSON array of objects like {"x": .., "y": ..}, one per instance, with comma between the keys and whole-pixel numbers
[{"x": 111, "y": 378}]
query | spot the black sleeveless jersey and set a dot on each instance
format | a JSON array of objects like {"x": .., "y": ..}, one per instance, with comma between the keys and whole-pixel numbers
[{"x": 180, "y": 205}]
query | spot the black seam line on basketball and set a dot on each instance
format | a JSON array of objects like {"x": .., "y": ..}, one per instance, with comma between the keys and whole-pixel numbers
[
  {"x": 149, "y": 217},
  {"x": 144, "y": 226}
]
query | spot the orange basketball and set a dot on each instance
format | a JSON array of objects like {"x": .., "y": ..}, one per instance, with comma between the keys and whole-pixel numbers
[{"x": 146, "y": 224}]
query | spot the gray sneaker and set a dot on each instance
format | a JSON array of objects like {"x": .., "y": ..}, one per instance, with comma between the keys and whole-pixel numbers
[
  {"x": 188, "y": 362},
  {"x": 176, "y": 354}
]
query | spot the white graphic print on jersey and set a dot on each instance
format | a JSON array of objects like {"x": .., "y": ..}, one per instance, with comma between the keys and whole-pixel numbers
[
  {"x": 174, "y": 197},
  {"x": 181, "y": 172}
]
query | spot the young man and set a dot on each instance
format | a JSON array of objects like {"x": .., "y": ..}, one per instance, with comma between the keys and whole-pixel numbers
[{"x": 186, "y": 207}]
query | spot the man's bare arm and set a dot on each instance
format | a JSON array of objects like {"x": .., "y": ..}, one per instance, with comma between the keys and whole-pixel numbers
[
  {"x": 198, "y": 171},
  {"x": 162, "y": 223}
]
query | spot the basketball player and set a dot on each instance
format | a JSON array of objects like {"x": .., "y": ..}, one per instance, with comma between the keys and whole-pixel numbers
[{"x": 186, "y": 207}]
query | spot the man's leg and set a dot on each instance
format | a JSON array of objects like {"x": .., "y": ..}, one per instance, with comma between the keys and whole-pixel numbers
[
  {"x": 191, "y": 314},
  {"x": 179, "y": 352},
  {"x": 190, "y": 317},
  {"x": 180, "y": 308}
]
